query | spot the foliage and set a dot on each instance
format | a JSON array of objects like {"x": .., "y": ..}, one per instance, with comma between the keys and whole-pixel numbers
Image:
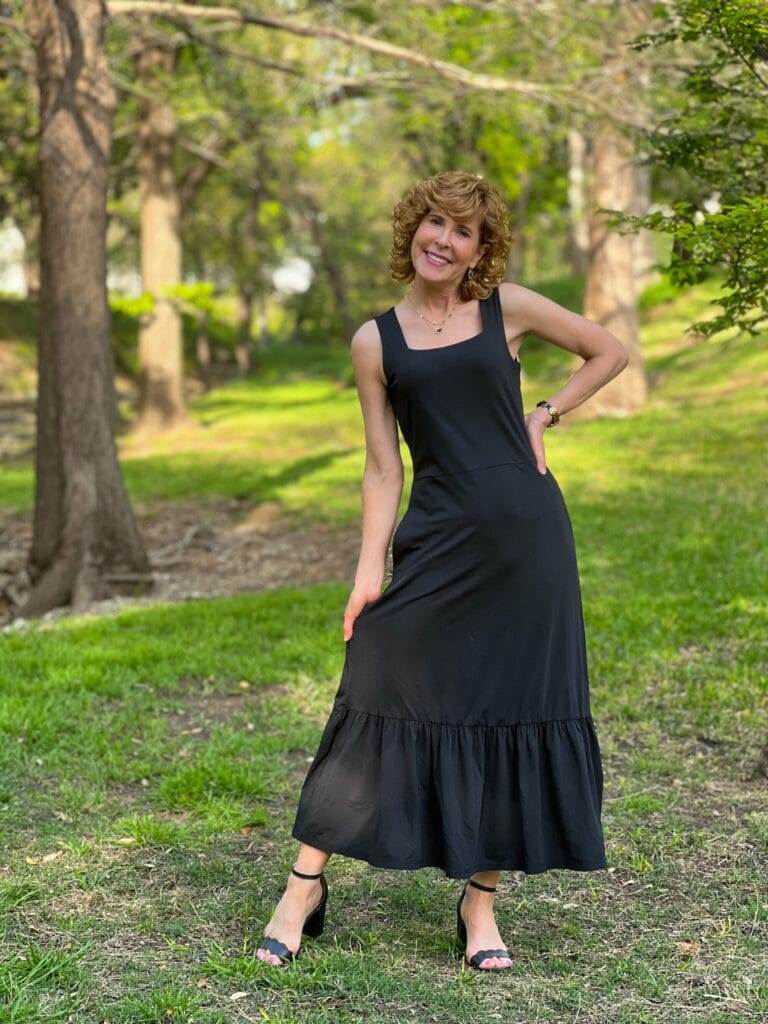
[
  {"x": 717, "y": 132},
  {"x": 18, "y": 127},
  {"x": 195, "y": 297}
]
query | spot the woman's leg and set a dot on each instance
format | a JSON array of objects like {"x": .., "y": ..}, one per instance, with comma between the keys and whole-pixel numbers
[
  {"x": 477, "y": 911},
  {"x": 299, "y": 899}
]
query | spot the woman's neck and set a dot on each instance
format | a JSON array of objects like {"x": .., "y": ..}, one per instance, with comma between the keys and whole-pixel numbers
[{"x": 435, "y": 302}]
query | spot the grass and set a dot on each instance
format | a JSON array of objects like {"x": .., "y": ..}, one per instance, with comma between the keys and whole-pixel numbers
[{"x": 150, "y": 762}]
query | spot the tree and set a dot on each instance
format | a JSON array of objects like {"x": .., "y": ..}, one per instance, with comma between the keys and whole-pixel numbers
[
  {"x": 84, "y": 529},
  {"x": 161, "y": 356},
  {"x": 612, "y": 273},
  {"x": 611, "y": 294},
  {"x": 611, "y": 288},
  {"x": 716, "y": 136}
]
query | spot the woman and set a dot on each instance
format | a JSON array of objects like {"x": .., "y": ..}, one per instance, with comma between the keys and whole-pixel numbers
[{"x": 461, "y": 735}]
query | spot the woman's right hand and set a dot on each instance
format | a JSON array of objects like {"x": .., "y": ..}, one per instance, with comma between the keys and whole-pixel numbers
[
  {"x": 536, "y": 423},
  {"x": 361, "y": 596}
]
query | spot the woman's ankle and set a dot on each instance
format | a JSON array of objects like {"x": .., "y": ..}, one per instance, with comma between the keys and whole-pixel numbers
[{"x": 490, "y": 879}]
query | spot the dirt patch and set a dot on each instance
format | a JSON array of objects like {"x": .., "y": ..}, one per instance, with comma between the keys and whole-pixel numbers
[
  {"x": 200, "y": 715},
  {"x": 217, "y": 549}
]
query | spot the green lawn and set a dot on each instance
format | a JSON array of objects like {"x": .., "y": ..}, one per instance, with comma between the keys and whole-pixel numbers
[{"x": 150, "y": 762}]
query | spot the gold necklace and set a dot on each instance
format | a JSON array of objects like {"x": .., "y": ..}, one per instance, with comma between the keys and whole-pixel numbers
[{"x": 438, "y": 326}]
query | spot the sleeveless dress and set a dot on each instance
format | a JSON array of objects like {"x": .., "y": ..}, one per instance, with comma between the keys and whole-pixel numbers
[{"x": 461, "y": 735}]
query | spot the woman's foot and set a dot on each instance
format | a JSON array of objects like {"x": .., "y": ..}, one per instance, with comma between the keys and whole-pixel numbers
[
  {"x": 300, "y": 898},
  {"x": 482, "y": 933}
]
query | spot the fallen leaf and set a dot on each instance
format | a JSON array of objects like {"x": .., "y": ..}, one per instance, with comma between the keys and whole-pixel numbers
[{"x": 688, "y": 948}]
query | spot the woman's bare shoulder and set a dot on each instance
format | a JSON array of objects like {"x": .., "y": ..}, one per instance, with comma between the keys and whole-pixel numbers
[
  {"x": 514, "y": 297},
  {"x": 366, "y": 350},
  {"x": 367, "y": 335}
]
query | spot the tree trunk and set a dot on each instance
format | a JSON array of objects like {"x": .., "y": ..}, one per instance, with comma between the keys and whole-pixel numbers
[
  {"x": 611, "y": 297},
  {"x": 203, "y": 351},
  {"x": 244, "y": 349},
  {"x": 644, "y": 255},
  {"x": 262, "y": 319},
  {"x": 516, "y": 259},
  {"x": 578, "y": 234},
  {"x": 30, "y": 259},
  {"x": 161, "y": 365},
  {"x": 83, "y": 524},
  {"x": 330, "y": 264}
]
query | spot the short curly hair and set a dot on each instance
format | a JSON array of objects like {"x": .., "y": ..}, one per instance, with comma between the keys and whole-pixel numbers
[{"x": 459, "y": 194}]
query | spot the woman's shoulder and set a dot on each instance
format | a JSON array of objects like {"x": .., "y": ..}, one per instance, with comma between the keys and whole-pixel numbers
[
  {"x": 520, "y": 304},
  {"x": 514, "y": 296},
  {"x": 367, "y": 342}
]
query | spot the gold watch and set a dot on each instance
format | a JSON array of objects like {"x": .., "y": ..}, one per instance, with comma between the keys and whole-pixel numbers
[{"x": 551, "y": 410}]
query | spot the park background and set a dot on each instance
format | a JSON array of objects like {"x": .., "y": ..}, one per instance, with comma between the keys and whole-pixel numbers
[{"x": 196, "y": 205}]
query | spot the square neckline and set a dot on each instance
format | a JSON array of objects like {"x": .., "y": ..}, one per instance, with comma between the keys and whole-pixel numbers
[
  {"x": 437, "y": 348},
  {"x": 453, "y": 344}
]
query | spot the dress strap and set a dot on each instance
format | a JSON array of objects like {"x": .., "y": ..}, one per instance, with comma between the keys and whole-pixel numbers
[
  {"x": 389, "y": 332},
  {"x": 494, "y": 304},
  {"x": 497, "y": 320}
]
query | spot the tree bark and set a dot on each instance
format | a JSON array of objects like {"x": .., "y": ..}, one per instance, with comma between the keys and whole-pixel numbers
[
  {"x": 611, "y": 296},
  {"x": 84, "y": 527},
  {"x": 161, "y": 364},
  {"x": 578, "y": 235}
]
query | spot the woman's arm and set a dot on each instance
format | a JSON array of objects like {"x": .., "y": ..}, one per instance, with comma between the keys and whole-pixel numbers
[
  {"x": 383, "y": 475},
  {"x": 604, "y": 355}
]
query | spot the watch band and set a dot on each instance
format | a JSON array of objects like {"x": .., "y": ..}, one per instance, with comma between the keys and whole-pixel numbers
[{"x": 551, "y": 410}]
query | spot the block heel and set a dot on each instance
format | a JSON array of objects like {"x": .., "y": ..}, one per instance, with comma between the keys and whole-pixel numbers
[
  {"x": 312, "y": 927},
  {"x": 314, "y": 924},
  {"x": 461, "y": 934}
]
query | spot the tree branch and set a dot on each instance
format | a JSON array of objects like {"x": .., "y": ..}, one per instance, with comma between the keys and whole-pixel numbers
[{"x": 545, "y": 92}]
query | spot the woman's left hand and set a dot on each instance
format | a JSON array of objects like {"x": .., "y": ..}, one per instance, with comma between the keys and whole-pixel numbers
[{"x": 536, "y": 422}]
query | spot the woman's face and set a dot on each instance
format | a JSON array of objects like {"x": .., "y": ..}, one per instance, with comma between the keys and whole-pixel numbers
[{"x": 443, "y": 249}]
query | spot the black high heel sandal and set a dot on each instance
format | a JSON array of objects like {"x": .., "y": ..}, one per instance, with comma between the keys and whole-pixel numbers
[
  {"x": 313, "y": 925},
  {"x": 461, "y": 934}
]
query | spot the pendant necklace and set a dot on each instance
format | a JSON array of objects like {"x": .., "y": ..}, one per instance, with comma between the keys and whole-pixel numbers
[{"x": 438, "y": 326}]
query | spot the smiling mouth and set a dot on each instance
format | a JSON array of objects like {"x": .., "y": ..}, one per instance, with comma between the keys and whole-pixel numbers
[{"x": 436, "y": 258}]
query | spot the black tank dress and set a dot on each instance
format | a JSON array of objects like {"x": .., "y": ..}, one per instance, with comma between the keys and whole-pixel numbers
[{"x": 461, "y": 735}]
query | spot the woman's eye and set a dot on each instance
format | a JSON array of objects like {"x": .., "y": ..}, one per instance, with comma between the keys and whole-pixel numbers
[{"x": 437, "y": 220}]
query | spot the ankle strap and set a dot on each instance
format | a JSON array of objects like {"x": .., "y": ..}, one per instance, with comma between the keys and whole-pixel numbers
[
  {"x": 485, "y": 888},
  {"x": 301, "y": 874}
]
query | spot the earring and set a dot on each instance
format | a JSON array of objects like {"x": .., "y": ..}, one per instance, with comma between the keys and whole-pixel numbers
[{"x": 471, "y": 273}]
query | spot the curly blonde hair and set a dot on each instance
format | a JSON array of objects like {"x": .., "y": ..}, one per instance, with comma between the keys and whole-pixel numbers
[{"x": 460, "y": 195}]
